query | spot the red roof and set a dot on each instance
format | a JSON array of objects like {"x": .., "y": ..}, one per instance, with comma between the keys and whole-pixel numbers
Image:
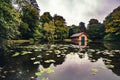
[{"x": 78, "y": 34}]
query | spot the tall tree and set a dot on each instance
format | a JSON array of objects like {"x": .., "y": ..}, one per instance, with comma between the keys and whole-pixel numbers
[
  {"x": 93, "y": 21},
  {"x": 59, "y": 21},
  {"x": 9, "y": 21},
  {"x": 95, "y": 30},
  {"x": 82, "y": 27},
  {"x": 49, "y": 31},
  {"x": 30, "y": 18},
  {"x": 112, "y": 25},
  {"x": 73, "y": 30},
  {"x": 62, "y": 31},
  {"x": 46, "y": 17}
]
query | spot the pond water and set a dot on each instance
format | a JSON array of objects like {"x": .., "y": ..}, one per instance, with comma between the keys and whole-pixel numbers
[{"x": 96, "y": 61}]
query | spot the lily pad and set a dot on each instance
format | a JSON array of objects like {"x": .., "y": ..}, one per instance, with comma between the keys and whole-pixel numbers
[
  {"x": 49, "y": 61},
  {"x": 58, "y": 55},
  {"x": 103, "y": 67},
  {"x": 110, "y": 66},
  {"x": 36, "y": 62},
  {"x": 33, "y": 58},
  {"x": 16, "y": 54},
  {"x": 38, "y": 73},
  {"x": 45, "y": 79},
  {"x": 57, "y": 51},
  {"x": 39, "y": 56},
  {"x": 95, "y": 70},
  {"x": 26, "y": 52}
]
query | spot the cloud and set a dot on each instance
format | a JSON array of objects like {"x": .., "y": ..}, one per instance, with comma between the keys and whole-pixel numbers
[{"x": 75, "y": 11}]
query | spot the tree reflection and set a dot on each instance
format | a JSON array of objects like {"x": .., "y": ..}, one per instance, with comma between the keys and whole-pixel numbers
[
  {"x": 17, "y": 69},
  {"x": 112, "y": 60},
  {"x": 23, "y": 68}
]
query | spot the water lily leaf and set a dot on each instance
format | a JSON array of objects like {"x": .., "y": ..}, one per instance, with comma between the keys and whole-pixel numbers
[
  {"x": 3, "y": 76},
  {"x": 26, "y": 52},
  {"x": 36, "y": 62},
  {"x": 32, "y": 58},
  {"x": 39, "y": 56},
  {"x": 43, "y": 70},
  {"x": 103, "y": 67},
  {"x": 63, "y": 54},
  {"x": 57, "y": 51},
  {"x": 49, "y": 70},
  {"x": 47, "y": 54},
  {"x": 45, "y": 79},
  {"x": 16, "y": 54},
  {"x": 36, "y": 50},
  {"x": 38, "y": 73},
  {"x": 49, "y": 51},
  {"x": 58, "y": 55},
  {"x": 110, "y": 66},
  {"x": 95, "y": 70},
  {"x": 48, "y": 61}
]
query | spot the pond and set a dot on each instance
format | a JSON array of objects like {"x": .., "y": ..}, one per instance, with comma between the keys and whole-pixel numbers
[{"x": 95, "y": 61}]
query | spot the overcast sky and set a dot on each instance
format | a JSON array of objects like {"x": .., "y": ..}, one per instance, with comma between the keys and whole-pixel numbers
[{"x": 75, "y": 11}]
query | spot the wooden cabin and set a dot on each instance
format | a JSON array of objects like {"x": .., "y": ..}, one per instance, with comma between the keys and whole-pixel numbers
[{"x": 80, "y": 38}]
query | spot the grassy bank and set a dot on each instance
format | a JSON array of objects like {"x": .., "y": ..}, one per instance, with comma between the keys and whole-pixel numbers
[{"x": 19, "y": 41}]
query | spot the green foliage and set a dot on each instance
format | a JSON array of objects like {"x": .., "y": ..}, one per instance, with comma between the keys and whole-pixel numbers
[
  {"x": 38, "y": 33},
  {"x": 74, "y": 29},
  {"x": 36, "y": 62},
  {"x": 44, "y": 70},
  {"x": 49, "y": 31},
  {"x": 62, "y": 31},
  {"x": 16, "y": 54},
  {"x": 46, "y": 17},
  {"x": 93, "y": 21},
  {"x": 110, "y": 37},
  {"x": 77, "y": 29},
  {"x": 30, "y": 26},
  {"x": 59, "y": 21},
  {"x": 9, "y": 21},
  {"x": 82, "y": 27},
  {"x": 96, "y": 31},
  {"x": 112, "y": 24},
  {"x": 53, "y": 27}
]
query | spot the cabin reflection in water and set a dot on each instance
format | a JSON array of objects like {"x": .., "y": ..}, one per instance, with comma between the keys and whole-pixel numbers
[{"x": 80, "y": 39}]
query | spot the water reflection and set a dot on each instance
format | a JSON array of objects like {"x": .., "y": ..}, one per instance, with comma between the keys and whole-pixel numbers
[
  {"x": 75, "y": 68},
  {"x": 68, "y": 61},
  {"x": 83, "y": 44},
  {"x": 19, "y": 68}
]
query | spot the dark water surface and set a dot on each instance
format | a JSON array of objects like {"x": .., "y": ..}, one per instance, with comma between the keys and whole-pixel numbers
[{"x": 96, "y": 61}]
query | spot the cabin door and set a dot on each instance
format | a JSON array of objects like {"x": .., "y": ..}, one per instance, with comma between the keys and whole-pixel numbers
[{"x": 83, "y": 40}]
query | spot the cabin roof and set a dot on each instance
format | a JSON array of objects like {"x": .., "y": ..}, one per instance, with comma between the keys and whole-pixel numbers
[{"x": 78, "y": 34}]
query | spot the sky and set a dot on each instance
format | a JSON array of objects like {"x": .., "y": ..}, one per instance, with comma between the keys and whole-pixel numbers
[{"x": 76, "y": 11}]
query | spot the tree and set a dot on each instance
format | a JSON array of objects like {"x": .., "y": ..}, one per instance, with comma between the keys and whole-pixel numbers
[
  {"x": 9, "y": 21},
  {"x": 30, "y": 21},
  {"x": 93, "y": 21},
  {"x": 62, "y": 31},
  {"x": 82, "y": 27},
  {"x": 49, "y": 31},
  {"x": 95, "y": 30},
  {"x": 46, "y": 17},
  {"x": 73, "y": 30},
  {"x": 112, "y": 25},
  {"x": 59, "y": 21}
]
